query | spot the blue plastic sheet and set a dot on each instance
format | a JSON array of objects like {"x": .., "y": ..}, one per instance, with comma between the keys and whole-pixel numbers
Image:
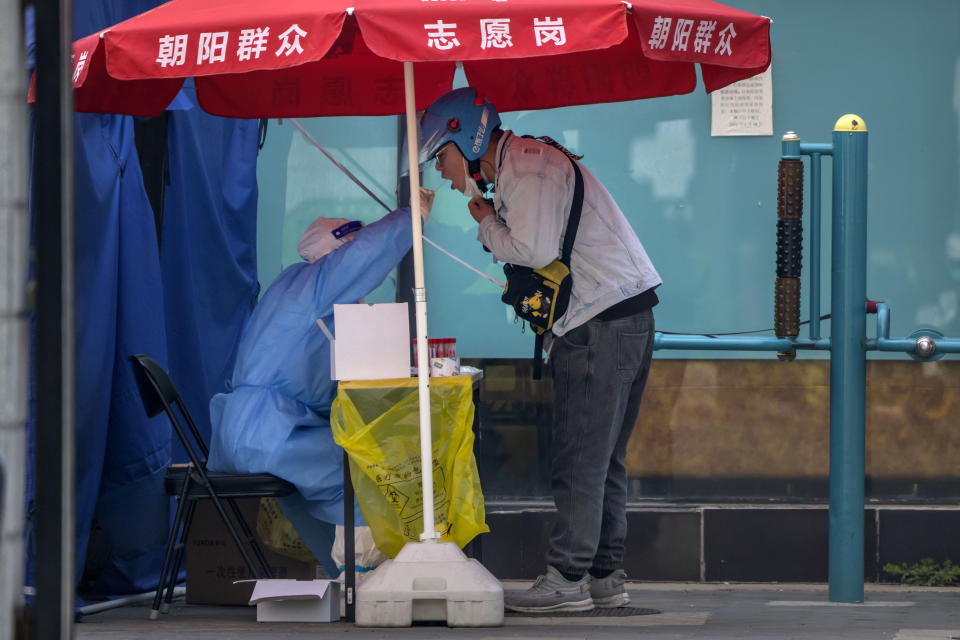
[
  {"x": 130, "y": 300},
  {"x": 120, "y": 453},
  {"x": 209, "y": 253},
  {"x": 118, "y": 273}
]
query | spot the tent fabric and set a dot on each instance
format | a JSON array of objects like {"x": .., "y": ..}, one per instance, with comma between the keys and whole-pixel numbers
[
  {"x": 118, "y": 295},
  {"x": 209, "y": 256},
  {"x": 116, "y": 271},
  {"x": 129, "y": 300},
  {"x": 113, "y": 232}
]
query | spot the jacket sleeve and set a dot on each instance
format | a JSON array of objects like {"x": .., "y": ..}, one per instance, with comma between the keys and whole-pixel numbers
[{"x": 355, "y": 269}]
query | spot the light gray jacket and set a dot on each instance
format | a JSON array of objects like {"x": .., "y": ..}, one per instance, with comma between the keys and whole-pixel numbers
[{"x": 534, "y": 193}]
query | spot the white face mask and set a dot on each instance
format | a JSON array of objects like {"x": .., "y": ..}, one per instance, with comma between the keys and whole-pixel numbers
[{"x": 470, "y": 185}]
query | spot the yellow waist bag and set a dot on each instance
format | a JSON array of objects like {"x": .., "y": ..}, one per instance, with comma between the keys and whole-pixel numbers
[{"x": 538, "y": 296}]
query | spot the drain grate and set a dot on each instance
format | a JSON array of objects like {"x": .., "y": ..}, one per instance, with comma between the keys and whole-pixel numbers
[{"x": 609, "y": 612}]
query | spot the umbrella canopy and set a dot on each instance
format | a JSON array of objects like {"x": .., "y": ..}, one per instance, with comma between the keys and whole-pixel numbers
[
  {"x": 256, "y": 59},
  {"x": 290, "y": 58}
]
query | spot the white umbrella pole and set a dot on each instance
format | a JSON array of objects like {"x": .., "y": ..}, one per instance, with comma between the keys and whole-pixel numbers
[
  {"x": 474, "y": 598},
  {"x": 420, "y": 300}
]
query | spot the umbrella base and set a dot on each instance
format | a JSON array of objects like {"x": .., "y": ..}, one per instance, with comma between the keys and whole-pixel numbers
[{"x": 430, "y": 581}]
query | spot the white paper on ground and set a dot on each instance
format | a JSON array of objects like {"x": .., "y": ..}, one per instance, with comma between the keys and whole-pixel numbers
[{"x": 288, "y": 589}]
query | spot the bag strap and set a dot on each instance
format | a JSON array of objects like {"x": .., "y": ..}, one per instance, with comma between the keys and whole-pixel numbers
[
  {"x": 569, "y": 236},
  {"x": 573, "y": 222},
  {"x": 537, "y": 356}
]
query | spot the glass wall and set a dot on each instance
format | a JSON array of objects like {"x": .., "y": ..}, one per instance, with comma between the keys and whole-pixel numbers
[
  {"x": 715, "y": 425},
  {"x": 722, "y": 430},
  {"x": 298, "y": 183}
]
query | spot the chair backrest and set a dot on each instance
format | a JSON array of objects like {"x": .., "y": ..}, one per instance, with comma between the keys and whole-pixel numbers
[
  {"x": 158, "y": 393},
  {"x": 156, "y": 387}
]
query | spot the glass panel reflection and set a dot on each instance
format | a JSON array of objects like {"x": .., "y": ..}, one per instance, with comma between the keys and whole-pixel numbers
[{"x": 738, "y": 430}]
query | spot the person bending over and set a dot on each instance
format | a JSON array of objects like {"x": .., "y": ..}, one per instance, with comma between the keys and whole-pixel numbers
[{"x": 600, "y": 349}]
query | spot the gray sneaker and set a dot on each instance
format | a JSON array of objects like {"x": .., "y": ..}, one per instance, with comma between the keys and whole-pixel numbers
[
  {"x": 551, "y": 592},
  {"x": 609, "y": 592}
]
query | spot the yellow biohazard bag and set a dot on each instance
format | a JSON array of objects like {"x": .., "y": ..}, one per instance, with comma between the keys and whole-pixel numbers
[
  {"x": 378, "y": 423},
  {"x": 278, "y": 533}
]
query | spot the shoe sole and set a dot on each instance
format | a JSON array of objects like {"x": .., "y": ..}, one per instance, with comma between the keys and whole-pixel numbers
[
  {"x": 582, "y": 605},
  {"x": 610, "y": 602}
]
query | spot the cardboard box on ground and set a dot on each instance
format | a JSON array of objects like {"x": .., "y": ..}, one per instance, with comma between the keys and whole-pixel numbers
[{"x": 213, "y": 562}]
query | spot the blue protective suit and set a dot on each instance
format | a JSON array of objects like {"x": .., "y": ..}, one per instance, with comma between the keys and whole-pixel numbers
[{"x": 276, "y": 417}]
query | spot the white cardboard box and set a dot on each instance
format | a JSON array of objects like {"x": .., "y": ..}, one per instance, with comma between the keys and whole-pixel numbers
[
  {"x": 296, "y": 600},
  {"x": 372, "y": 341}
]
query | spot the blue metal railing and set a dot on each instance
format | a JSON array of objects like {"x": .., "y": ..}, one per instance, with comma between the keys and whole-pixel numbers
[
  {"x": 847, "y": 343},
  {"x": 909, "y": 345},
  {"x": 848, "y": 360},
  {"x": 736, "y": 343}
]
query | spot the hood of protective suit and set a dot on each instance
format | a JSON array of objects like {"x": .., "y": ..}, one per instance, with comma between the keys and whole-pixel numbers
[{"x": 324, "y": 235}]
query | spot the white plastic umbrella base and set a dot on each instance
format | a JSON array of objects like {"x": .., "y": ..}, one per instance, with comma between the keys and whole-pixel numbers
[{"x": 430, "y": 581}]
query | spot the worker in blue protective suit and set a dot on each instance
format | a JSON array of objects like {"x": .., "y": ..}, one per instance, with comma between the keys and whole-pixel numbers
[{"x": 275, "y": 416}]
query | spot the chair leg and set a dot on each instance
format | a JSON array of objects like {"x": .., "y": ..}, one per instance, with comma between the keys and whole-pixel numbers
[
  {"x": 233, "y": 532},
  {"x": 174, "y": 534},
  {"x": 178, "y": 556},
  {"x": 250, "y": 538}
]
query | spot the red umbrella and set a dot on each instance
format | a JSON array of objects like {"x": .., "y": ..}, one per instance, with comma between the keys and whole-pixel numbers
[
  {"x": 306, "y": 58},
  {"x": 254, "y": 58}
]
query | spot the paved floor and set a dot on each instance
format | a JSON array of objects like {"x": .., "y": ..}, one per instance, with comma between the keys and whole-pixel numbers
[{"x": 742, "y": 612}]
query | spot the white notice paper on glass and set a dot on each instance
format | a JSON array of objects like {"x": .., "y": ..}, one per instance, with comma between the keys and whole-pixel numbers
[
  {"x": 372, "y": 341},
  {"x": 744, "y": 108}
]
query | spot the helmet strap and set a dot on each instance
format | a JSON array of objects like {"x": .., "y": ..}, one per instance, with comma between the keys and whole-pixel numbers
[{"x": 473, "y": 167}]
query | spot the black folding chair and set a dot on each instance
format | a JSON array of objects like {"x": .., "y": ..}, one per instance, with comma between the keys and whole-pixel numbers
[{"x": 191, "y": 482}]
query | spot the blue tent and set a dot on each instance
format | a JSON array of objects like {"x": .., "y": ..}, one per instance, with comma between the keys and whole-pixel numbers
[{"x": 182, "y": 298}]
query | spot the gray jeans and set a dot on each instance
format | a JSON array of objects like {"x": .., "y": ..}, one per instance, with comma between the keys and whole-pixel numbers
[{"x": 599, "y": 372}]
